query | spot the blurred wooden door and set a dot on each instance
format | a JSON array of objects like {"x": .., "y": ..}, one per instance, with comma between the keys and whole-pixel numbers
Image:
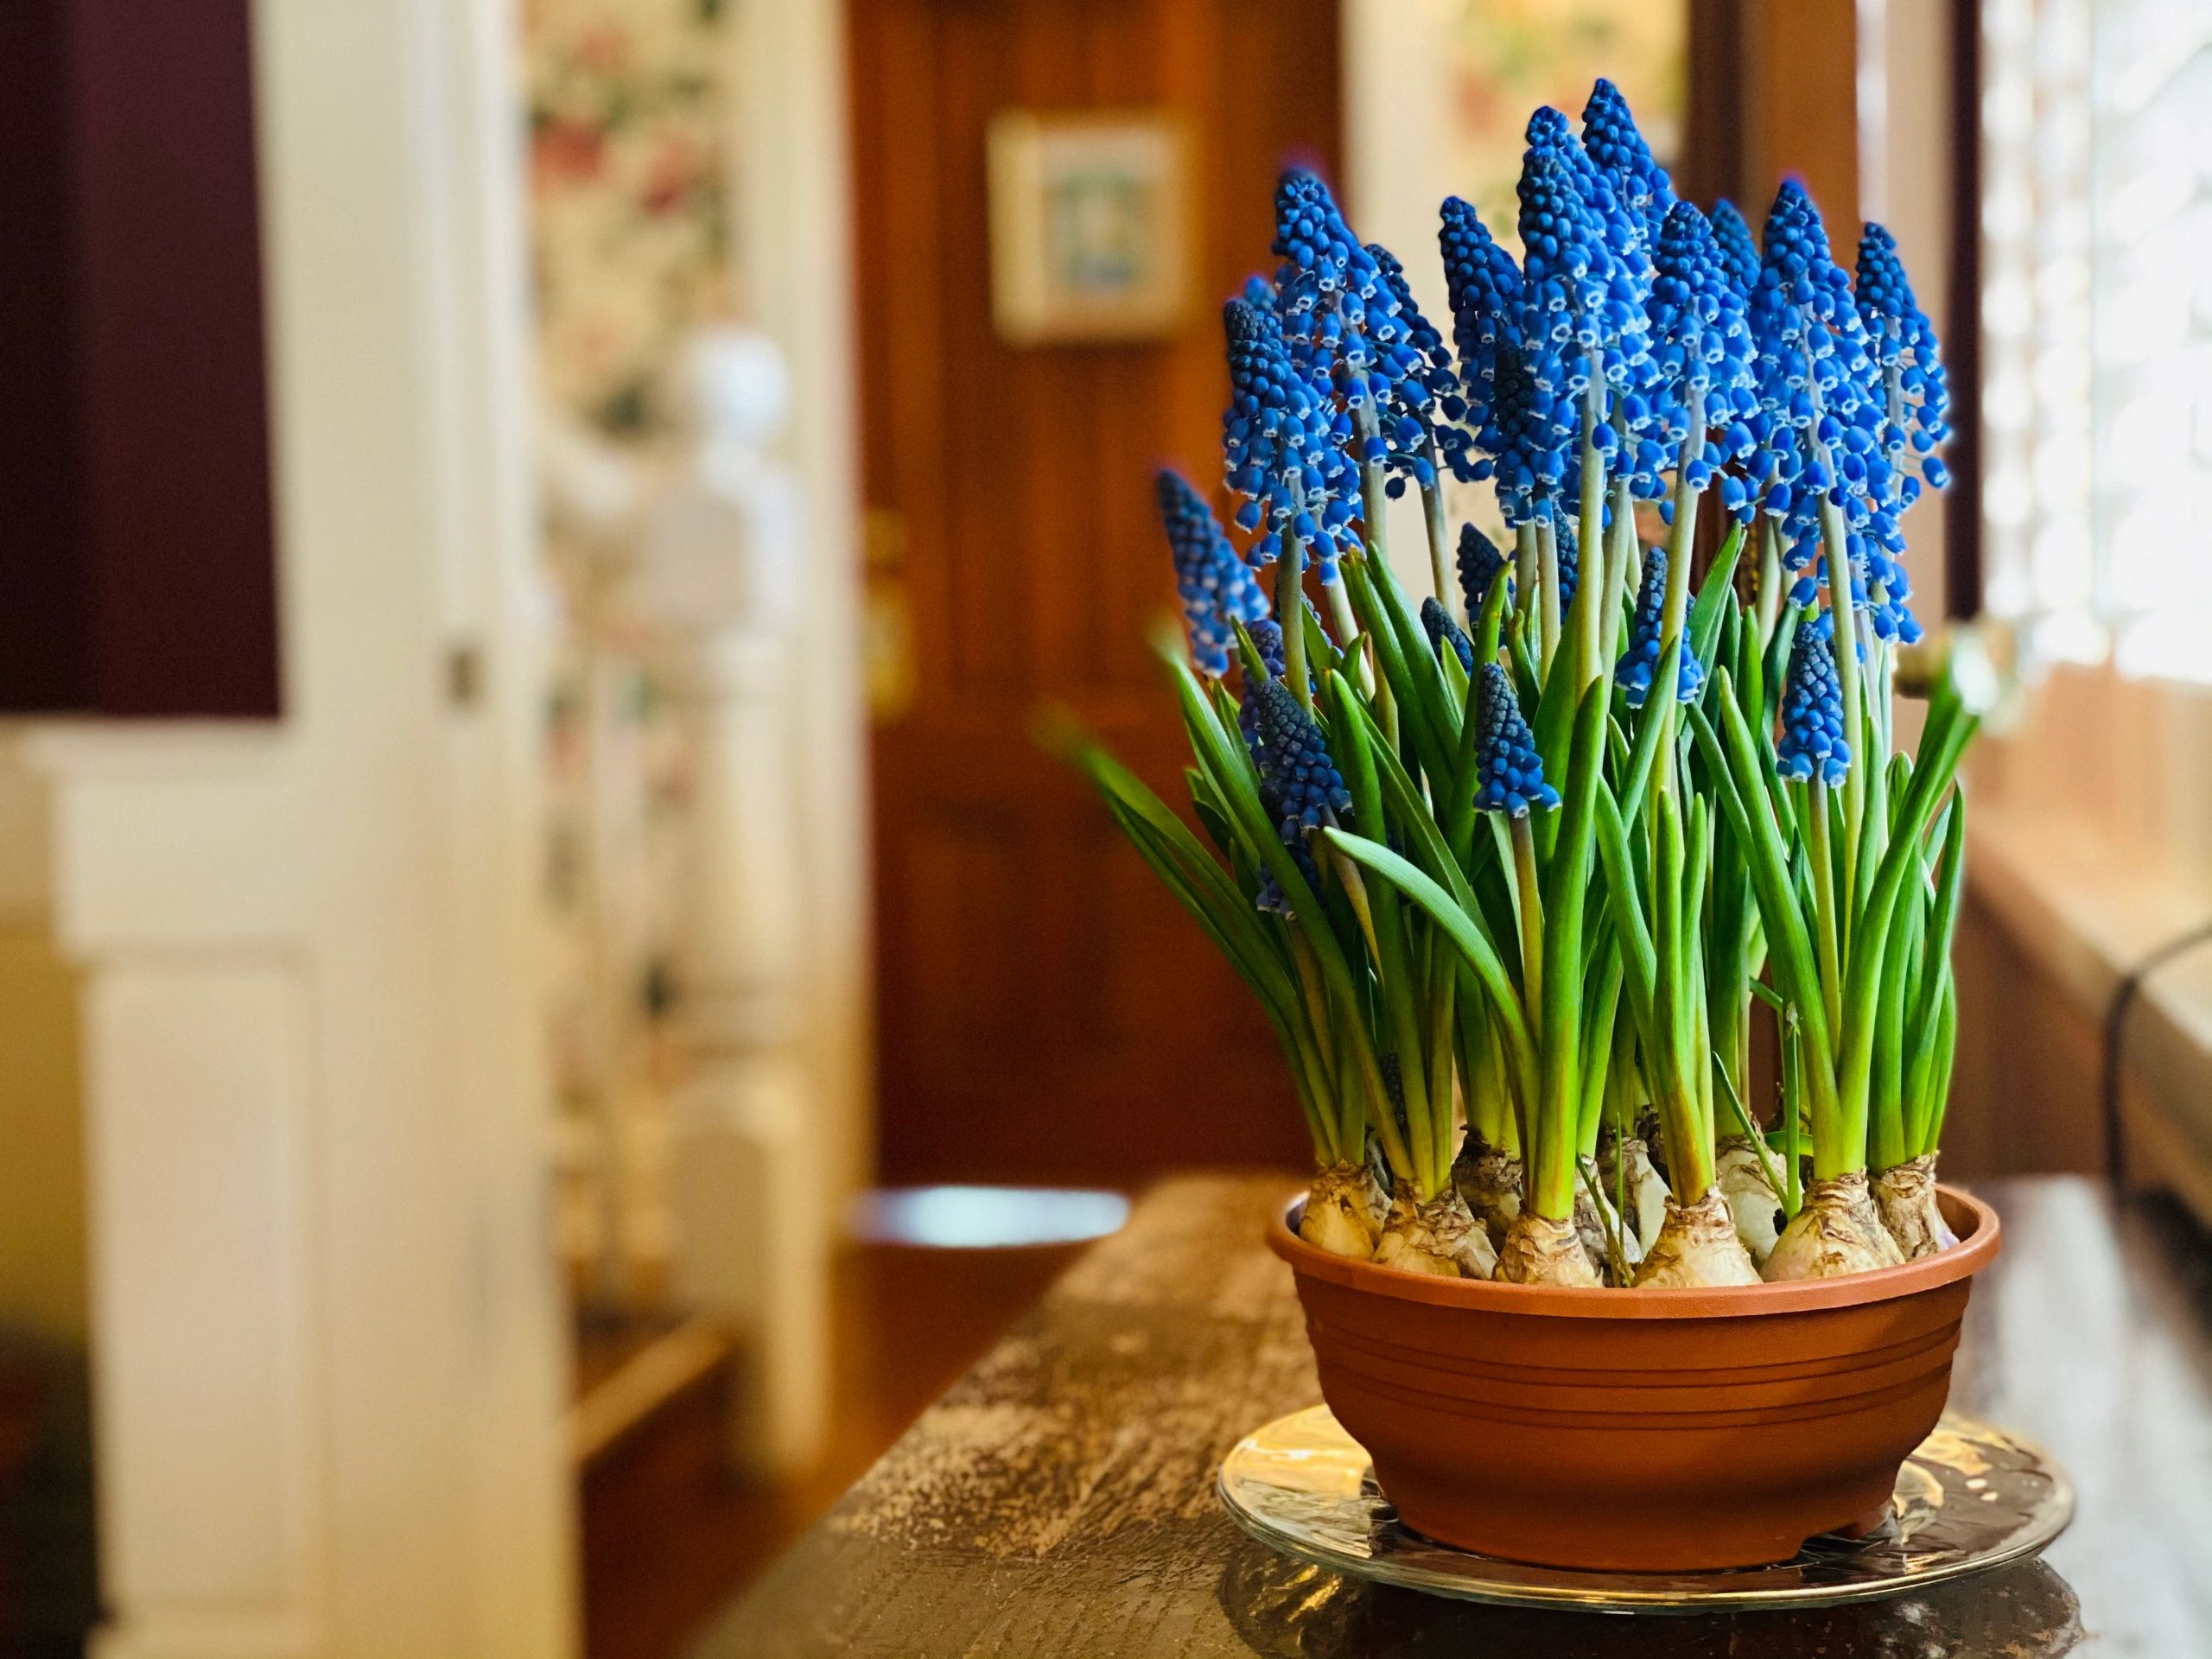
[{"x": 1044, "y": 1010}]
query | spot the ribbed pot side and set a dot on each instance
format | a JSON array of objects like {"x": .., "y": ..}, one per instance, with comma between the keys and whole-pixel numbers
[{"x": 1639, "y": 1430}]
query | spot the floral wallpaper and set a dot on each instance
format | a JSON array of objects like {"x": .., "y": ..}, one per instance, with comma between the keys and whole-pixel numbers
[{"x": 629, "y": 132}]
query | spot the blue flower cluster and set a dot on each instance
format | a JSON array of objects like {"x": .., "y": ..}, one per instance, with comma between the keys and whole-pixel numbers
[
  {"x": 1217, "y": 587},
  {"x": 1480, "y": 563},
  {"x": 1739, "y": 253},
  {"x": 1570, "y": 562},
  {"x": 1642, "y": 660},
  {"x": 1277, "y": 439},
  {"x": 1300, "y": 785},
  {"x": 1484, "y": 286},
  {"x": 1812, "y": 743},
  {"x": 1648, "y": 398},
  {"x": 1611, "y": 137},
  {"x": 1755, "y": 369},
  {"x": 1701, "y": 358},
  {"x": 1303, "y": 784},
  {"x": 1510, "y": 772},
  {"x": 1904, "y": 349},
  {"x": 1267, "y": 639},
  {"x": 1441, "y": 627},
  {"x": 1338, "y": 316},
  {"x": 1823, "y": 415},
  {"x": 1565, "y": 266},
  {"x": 1355, "y": 333},
  {"x": 1421, "y": 410}
]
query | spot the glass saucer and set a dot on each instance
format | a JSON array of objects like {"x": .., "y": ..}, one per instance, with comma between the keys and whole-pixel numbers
[{"x": 1971, "y": 1499}]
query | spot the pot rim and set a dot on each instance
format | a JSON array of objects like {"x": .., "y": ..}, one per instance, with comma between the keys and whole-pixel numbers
[{"x": 1974, "y": 1222}]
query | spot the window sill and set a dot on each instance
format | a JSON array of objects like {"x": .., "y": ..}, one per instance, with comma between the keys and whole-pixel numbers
[{"x": 2088, "y": 908}]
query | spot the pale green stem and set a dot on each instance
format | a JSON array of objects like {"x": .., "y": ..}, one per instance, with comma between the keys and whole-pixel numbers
[
  {"x": 1548, "y": 598},
  {"x": 1769, "y": 596},
  {"x": 1591, "y": 528},
  {"x": 1439, "y": 545},
  {"x": 1682, "y": 535},
  {"x": 1821, "y": 851},
  {"x": 1532, "y": 911},
  {"x": 1290, "y": 612},
  {"x": 1528, "y": 562},
  {"x": 1834, "y": 546},
  {"x": 1623, "y": 570},
  {"x": 1674, "y": 609},
  {"x": 1374, "y": 499}
]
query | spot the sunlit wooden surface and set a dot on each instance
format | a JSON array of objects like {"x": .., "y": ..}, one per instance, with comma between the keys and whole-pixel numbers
[{"x": 1059, "y": 1499}]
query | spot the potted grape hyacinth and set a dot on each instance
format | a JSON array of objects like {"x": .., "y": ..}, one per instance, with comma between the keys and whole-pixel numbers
[{"x": 1511, "y": 869}]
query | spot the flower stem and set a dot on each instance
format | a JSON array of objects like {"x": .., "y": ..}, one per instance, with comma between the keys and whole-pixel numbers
[
  {"x": 1440, "y": 549},
  {"x": 1372, "y": 494},
  {"x": 1835, "y": 547},
  {"x": 1770, "y": 596},
  {"x": 1529, "y": 891},
  {"x": 1548, "y": 596},
  {"x": 1623, "y": 571},
  {"x": 1527, "y": 571},
  {"x": 1820, "y": 849},
  {"x": 1290, "y": 610},
  {"x": 1591, "y": 528}
]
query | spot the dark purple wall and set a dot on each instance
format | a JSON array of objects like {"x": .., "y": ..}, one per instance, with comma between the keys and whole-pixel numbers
[{"x": 137, "y": 568}]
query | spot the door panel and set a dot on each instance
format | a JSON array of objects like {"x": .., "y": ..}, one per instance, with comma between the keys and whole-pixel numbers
[{"x": 1045, "y": 1010}]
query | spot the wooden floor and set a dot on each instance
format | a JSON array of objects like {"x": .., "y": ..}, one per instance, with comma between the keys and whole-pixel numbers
[{"x": 669, "y": 1536}]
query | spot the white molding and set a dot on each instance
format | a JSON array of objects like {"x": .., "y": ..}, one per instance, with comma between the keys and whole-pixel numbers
[
  {"x": 210, "y": 1487},
  {"x": 794, "y": 203}
]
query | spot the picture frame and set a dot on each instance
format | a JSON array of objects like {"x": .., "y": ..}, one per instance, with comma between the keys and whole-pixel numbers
[{"x": 1090, "y": 225}]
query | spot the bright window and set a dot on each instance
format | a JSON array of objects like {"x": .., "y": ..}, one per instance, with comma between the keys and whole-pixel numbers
[{"x": 2097, "y": 329}]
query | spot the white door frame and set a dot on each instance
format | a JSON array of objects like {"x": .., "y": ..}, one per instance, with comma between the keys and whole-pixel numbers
[{"x": 329, "y": 1371}]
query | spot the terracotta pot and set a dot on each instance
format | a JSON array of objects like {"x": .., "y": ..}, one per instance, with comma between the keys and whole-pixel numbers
[{"x": 1639, "y": 1431}]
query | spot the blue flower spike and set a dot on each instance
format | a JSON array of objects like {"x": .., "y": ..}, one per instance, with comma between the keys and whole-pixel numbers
[
  {"x": 1905, "y": 350},
  {"x": 1216, "y": 588},
  {"x": 1484, "y": 286},
  {"x": 1480, "y": 564},
  {"x": 1267, "y": 639},
  {"x": 1294, "y": 764},
  {"x": 1420, "y": 405},
  {"x": 1338, "y": 314},
  {"x": 1641, "y": 662},
  {"x": 1274, "y": 439},
  {"x": 1740, "y": 252},
  {"x": 1701, "y": 358},
  {"x": 1822, "y": 410},
  {"x": 1813, "y": 746},
  {"x": 1609, "y": 134},
  {"x": 1570, "y": 562},
  {"x": 1440, "y": 627},
  {"x": 1509, "y": 772}
]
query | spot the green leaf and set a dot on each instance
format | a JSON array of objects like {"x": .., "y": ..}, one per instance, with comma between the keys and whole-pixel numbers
[
  {"x": 1468, "y": 936},
  {"x": 1743, "y": 797},
  {"x": 1714, "y": 596},
  {"x": 1649, "y": 731},
  {"x": 1775, "y": 671},
  {"x": 1411, "y": 674}
]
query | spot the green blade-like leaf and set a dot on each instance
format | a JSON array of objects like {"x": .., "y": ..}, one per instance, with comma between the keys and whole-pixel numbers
[{"x": 1467, "y": 936}]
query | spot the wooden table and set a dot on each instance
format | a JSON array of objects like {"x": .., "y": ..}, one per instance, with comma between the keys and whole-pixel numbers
[{"x": 1059, "y": 1501}]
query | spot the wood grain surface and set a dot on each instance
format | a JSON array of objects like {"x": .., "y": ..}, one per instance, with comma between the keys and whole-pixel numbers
[{"x": 1059, "y": 1500}]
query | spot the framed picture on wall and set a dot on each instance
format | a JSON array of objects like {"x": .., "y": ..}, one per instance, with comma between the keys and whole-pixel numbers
[{"x": 1090, "y": 225}]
